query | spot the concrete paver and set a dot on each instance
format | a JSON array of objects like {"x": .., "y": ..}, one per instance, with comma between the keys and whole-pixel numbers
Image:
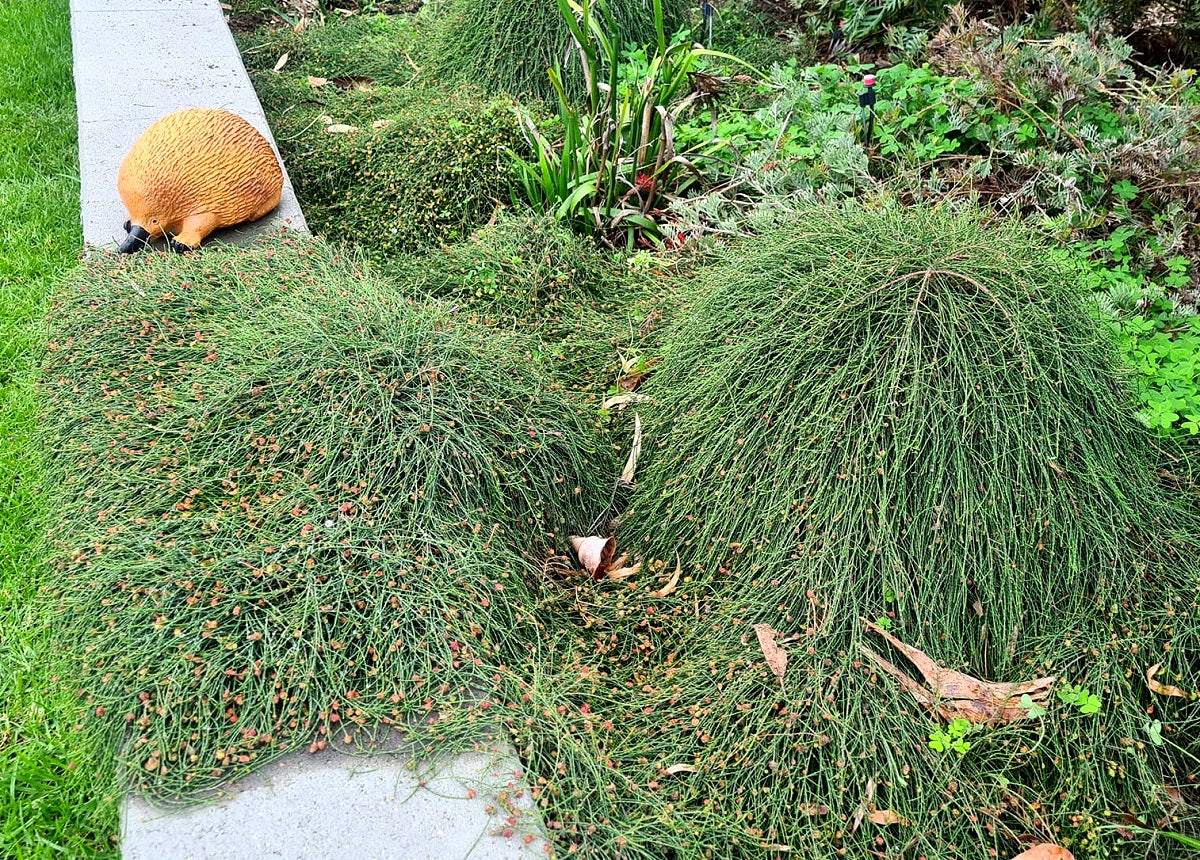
[{"x": 367, "y": 808}]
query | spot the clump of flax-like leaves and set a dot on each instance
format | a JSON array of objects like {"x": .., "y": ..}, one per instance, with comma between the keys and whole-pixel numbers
[{"x": 291, "y": 500}]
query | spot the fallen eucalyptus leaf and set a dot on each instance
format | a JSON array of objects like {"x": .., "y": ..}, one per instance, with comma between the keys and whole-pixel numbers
[
  {"x": 775, "y": 656},
  {"x": 886, "y": 817},
  {"x": 680, "y": 768},
  {"x": 671, "y": 583},
  {"x": 634, "y": 450},
  {"x": 281, "y": 62},
  {"x": 624, "y": 572},
  {"x": 340, "y": 128},
  {"x": 595, "y": 553},
  {"x": 1166, "y": 689},
  {"x": 1045, "y": 851},
  {"x": 954, "y": 695},
  {"x": 315, "y": 82},
  {"x": 867, "y": 804},
  {"x": 622, "y": 399}
]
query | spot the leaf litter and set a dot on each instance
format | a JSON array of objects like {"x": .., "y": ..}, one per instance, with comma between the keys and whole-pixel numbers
[{"x": 955, "y": 695}]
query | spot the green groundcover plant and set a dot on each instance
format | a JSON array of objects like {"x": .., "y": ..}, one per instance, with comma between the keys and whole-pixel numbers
[
  {"x": 290, "y": 499},
  {"x": 524, "y": 270},
  {"x": 392, "y": 169},
  {"x": 296, "y": 507},
  {"x": 909, "y": 414}
]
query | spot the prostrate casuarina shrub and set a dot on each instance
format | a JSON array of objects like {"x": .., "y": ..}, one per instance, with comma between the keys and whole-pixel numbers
[
  {"x": 417, "y": 168},
  {"x": 910, "y": 416},
  {"x": 522, "y": 270},
  {"x": 914, "y": 399},
  {"x": 509, "y": 48},
  {"x": 289, "y": 499}
]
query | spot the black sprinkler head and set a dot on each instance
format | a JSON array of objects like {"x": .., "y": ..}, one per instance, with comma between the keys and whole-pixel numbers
[{"x": 138, "y": 238}]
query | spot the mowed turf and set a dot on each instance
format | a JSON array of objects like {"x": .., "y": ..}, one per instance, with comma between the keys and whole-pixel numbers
[{"x": 55, "y": 798}]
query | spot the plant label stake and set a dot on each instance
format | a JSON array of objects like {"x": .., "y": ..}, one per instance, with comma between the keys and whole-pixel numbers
[
  {"x": 866, "y": 100},
  {"x": 707, "y": 10}
]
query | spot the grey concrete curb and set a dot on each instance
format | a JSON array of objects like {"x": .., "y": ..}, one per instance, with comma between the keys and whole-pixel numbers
[{"x": 330, "y": 805}]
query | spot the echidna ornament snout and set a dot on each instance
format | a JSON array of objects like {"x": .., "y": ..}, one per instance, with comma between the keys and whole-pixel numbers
[{"x": 193, "y": 172}]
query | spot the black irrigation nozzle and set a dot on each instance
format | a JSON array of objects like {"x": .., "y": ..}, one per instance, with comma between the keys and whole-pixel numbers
[{"x": 866, "y": 101}]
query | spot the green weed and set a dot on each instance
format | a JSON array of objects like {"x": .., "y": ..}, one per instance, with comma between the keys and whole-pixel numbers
[{"x": 954, "y": 738}]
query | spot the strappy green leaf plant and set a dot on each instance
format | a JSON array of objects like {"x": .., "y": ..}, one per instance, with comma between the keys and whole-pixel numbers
[{"x": 618, "y": 159}]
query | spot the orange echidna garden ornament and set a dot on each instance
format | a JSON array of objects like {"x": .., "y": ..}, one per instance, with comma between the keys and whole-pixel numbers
[{"x": 193, "y": 172}]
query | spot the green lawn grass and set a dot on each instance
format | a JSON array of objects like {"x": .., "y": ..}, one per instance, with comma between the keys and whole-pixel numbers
[{"x": 55, "y": 798}]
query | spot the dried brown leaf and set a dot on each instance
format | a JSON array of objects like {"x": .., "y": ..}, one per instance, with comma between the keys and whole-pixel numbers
[
  {"x": 281, "y": 62},
  {"x": 315, "y": 82},
  {"x": 634, "y": 450},
  {"x": 1045, "y": 851},
  {"x": 340, "y": 128},
  {"x": 775, "y": 656},
  {"x": 669, "y": 588},
  {"x": 630, "y": 378},
  {"x": 868, "y": 803},
  {"x": 886, "y": 817},
  {"x": 1166, "y": 689},
  {"x": 680, "y": 768},
  {"x": 954, "y": 695},
  {"x": 623, "y": 399},
  {"x": 595, "y": 553},
  {"x": 625, "y": 572}
]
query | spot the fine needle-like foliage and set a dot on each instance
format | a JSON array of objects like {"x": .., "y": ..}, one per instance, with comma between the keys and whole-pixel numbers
[
  {"x": 904, "y": 416},
  {"x": 294, "y": 504},
  {"x": 289, "y": 499},
  {"x": 508, "y": 48},
  {"x": 916, "y": 405}
]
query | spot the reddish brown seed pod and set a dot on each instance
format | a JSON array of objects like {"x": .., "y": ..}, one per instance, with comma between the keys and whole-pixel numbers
[{"x": 195, "y": 171}]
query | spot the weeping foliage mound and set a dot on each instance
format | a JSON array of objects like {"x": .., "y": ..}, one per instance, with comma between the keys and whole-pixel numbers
[
  {"x": 290, "y": 499},
  {"x": 909, "y": 416},
  {"x": 915, "y": 403},
  {"x": 508, "y": 48}
]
